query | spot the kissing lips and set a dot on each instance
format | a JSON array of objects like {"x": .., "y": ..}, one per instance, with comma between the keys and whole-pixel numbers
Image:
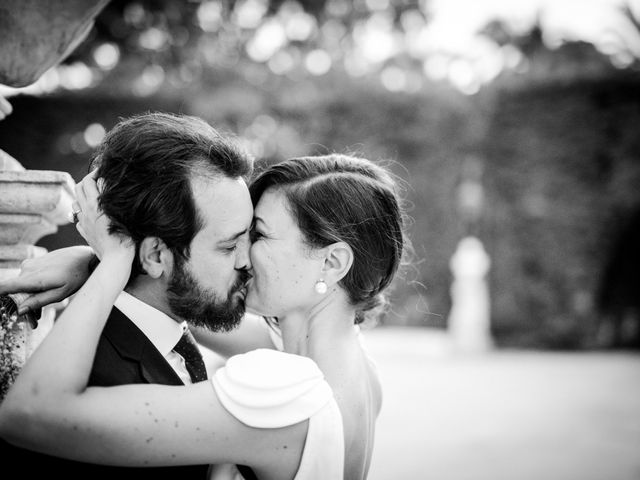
[{"x": 242, "y": 288}]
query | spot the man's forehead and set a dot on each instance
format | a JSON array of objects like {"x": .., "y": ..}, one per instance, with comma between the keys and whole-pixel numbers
[
  {"x": 220, "y": 187},
  {"x": 224, "y": 205}
]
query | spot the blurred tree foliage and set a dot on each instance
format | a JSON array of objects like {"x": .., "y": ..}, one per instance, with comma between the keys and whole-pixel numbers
[
  {"x": 551, "y": 140},
  {"x": 562, "y": 175},
  {"x": 140, "y": 45}
]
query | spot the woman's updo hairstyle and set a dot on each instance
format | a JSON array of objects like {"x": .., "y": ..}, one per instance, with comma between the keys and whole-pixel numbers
[{"x": 344, "y": 198}]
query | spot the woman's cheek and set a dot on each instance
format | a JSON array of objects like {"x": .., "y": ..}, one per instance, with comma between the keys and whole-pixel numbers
[{"x": 265, "y": 268}]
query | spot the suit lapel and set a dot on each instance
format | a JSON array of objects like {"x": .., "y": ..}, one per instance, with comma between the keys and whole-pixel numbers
[
  {"x": 132, "y": 344},
  {"x": 154, "y": 371}
]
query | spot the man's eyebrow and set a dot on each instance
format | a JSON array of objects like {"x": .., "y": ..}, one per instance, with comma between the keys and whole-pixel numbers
[{"x": 233, "y": 237}]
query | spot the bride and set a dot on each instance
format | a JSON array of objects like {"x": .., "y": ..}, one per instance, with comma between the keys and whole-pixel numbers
[{"x": 326, "y": 242}]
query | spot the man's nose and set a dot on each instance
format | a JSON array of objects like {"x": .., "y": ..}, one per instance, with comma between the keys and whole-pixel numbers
[{"x": 243, "y": 259}]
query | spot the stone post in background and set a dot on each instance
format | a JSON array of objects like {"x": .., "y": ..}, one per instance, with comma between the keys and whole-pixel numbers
[
  {"x": 469, "y": 321},
  {"x": 32, "y": 204}
]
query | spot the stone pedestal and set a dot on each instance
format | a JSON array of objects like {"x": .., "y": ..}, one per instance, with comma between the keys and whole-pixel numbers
[
  {"x": 32, "y": 204},
  {"x": 469, "y": 319}
]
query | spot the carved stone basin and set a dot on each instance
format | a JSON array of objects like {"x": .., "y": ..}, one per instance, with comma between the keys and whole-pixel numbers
[
  {"x": 32, "y": 204},
  {"x": 36, "y": 35}
]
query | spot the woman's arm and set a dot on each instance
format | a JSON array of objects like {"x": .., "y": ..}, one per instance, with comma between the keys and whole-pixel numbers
[{"x": 50, "y": 409}]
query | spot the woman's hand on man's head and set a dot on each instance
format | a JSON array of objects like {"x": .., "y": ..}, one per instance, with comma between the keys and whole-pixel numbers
[{"x": 94, "y": 225}]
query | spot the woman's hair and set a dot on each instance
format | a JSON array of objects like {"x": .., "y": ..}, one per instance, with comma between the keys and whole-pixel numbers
[{"x": 344, "y": 198}]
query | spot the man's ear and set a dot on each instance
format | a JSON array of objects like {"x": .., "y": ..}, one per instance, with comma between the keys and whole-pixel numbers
[
  {"x": 338, "y": 259},
  {"x": 155, "y": 257}
]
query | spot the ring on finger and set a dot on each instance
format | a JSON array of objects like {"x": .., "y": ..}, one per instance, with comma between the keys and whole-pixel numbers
[{"x": 75, "y": 211}]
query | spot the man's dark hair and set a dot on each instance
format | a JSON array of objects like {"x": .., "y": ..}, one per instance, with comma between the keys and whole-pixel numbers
[{"x": 147, "y": 162}]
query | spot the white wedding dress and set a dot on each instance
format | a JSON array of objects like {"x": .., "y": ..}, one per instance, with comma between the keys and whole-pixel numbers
[{"x": 270, "y": 389}]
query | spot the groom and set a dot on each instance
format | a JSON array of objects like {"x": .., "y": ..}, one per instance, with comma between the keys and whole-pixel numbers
[{"x": 178, "y": 188}]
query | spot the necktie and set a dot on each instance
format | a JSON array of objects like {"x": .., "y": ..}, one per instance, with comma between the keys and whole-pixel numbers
[{"x": 192, "y": 357}]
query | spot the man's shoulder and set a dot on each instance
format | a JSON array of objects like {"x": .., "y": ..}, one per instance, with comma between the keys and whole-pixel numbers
[
  {"x": 126, "y": 355},
  {"x": 122, "y": 350},
  {"x": 123, "y": 334}
]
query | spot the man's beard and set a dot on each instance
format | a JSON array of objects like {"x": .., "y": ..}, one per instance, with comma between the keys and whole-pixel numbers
[{"x": 188, "y": 300}]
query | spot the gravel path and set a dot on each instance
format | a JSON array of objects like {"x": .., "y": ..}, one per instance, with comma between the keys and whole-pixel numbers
[{"x": 504, "y": 415}]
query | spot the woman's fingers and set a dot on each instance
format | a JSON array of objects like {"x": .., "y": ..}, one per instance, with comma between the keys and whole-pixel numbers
[
  {"x": 24, "y": 284},
  {"x": 81, "y": 232},
  {"x": 79, "y": 206},
  {"x": 87, "y": 196},
  {"x": 80, "y": 201},
  {"x": 93, "y": 224},
  {"x": 90, "y": 189},
  {"x": 99, "y": 181},
  {"x": 86, "y": 200},
  {"x": 42, "y": 299}
]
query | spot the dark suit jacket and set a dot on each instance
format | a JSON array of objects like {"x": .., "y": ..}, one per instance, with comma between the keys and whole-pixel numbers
[{"x": 124, "y": 356}]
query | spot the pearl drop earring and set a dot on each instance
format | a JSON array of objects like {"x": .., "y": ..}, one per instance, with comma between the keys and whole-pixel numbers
[{"x": 321, "y": 287}]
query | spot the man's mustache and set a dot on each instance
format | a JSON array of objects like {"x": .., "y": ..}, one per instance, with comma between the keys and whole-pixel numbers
[{"x": 243, "y": 277}]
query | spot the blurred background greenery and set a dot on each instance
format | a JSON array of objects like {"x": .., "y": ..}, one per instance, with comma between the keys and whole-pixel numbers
[{"x": 522, "y": 133}]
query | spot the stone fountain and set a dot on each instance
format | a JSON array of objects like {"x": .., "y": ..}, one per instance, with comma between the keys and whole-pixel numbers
[
  {"x": 32, "y": 204},
  {"x": 35, "y": 36}
]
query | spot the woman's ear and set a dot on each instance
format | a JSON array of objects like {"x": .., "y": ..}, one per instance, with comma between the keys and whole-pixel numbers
[
  {"x": 155, "y": 257},
  {"x": 337, "y": 262}
]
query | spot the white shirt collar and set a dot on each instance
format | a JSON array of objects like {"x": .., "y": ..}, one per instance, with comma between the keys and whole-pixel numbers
[{"x": 160, "y": 329}]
